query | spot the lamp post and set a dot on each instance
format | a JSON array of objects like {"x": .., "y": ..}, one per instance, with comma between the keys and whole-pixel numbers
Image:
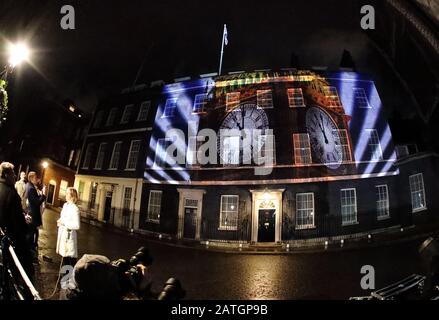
[
  {"x": 18, "y": 53},
  {"x": 44, "y": 164}
]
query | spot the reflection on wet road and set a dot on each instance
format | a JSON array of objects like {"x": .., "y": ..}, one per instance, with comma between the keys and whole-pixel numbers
[{"x": 213, "y": 275}]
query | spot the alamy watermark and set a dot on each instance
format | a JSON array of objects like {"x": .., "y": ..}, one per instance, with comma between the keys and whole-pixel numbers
[
  {"x": 68, "y": 19},
  {"x": 232, "y": 147}
]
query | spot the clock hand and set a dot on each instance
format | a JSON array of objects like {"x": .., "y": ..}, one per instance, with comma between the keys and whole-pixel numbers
[{"x": 323, "y": 130}]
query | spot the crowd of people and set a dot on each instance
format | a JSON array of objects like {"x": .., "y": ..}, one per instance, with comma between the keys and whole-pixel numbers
[
  {"x": 22, "y": 205},
  {"x": 94, "y": 277}
]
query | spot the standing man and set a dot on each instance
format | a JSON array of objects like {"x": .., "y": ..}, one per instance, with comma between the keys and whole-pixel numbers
[
  {"x": 20, "y": 186},
  {"x": 35, "y": 200},
  {"x": 12, "y": 219}
]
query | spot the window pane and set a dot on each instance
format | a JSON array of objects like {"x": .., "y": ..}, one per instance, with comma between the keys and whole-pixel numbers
[
  {"x": 200, "y": 102},
  {"x": 232, "y": 100},
  {"x": 170, "y": 107},
  {"x": 348, "y": 206},
  {"x": 154, "y": 205},
  {"x": 114, "y": 163},
  {"x": 264, "y": 99},
  {"x": 143, "y": 112},
  {"x": 127, "y": 114},
  {"x": 229, "y": 212},
  {"x": 133, "y": 154},
  {"x": 295, "y": 97},
  {"x": 304, "y": 210},
  {"x": 417, "y": 192},
  {"x": 302, "y": 148}
]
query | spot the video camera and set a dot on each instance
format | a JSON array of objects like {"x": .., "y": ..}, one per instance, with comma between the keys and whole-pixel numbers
[
  {"x": 129, "y": 272},
  {"x": 96, "y": 277}
]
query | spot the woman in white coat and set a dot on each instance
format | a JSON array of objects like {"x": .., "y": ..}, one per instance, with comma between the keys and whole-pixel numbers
[{"x": 68, "y": 224}]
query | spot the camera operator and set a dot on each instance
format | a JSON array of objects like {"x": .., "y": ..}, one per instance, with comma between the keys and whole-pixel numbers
[{"x": 95, "y": 277}]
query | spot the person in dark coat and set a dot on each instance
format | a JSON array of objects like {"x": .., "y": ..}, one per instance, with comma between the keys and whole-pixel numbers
[
  {"x": 12, "y": 220},
  {"x": 34, "y": 207}
]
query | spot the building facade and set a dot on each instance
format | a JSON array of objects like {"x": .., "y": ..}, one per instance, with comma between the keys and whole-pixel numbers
[
  {"x": 49, "y": 142},
  {"x": 259, "y": 157},
  {"x": 109, "y": 178}
]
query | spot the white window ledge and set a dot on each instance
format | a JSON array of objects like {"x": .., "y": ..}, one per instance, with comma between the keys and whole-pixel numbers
[
  {"x": 228, "y": 228},
  {"x": 419, "y": 210},
  {"x": 310, "y": 227},
  {"x": 347, "y": 224}
]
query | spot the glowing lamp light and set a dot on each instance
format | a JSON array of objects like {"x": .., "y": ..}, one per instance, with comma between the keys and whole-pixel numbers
[
  {"x": 18, "y": 53},
  {"x": 266, "y": 195},
  {"x": 45, "y": 164}
]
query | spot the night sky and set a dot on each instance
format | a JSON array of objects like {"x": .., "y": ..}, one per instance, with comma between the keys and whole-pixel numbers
[{"x": 179, "y": 38}]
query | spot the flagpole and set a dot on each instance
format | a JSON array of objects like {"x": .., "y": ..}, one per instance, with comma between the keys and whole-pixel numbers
[{"x": 222, "y": 51}]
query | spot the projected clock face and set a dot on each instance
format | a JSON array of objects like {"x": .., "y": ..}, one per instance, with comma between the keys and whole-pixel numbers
[
  {"x": 245, "y": 119},
  {"x": 324, "y": 137}
]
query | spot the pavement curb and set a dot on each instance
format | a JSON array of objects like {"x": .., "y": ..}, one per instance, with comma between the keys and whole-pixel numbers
[{"x": 365, "y": 240}]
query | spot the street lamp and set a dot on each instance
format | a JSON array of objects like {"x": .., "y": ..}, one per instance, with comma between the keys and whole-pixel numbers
[
  {"x": 18, "y": 52},
  {"x": 44, "y": 164}
]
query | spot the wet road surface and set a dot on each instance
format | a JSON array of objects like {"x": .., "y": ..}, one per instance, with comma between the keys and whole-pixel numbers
[{"x": 215, "y": 275}]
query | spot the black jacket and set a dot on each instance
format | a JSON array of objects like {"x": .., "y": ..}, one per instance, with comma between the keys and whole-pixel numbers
[
  {"x": 11, "y": 215},
  {"x": 35, "y": 202},
  {"x": 13, "y": 223}
]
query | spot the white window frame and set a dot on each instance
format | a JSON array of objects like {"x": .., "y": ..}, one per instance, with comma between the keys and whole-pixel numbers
[
  {"x": 331, "y": 93},
  {"x": 98, "y": 119},
  {"x": 299, "y": 158},
  {"x": 372, "y": 135},
  {"x": 63, "y": 191},
  {"x": 223, "y": 226},
  {"x": 262, "y": 147},
  {"x": 233, "y": 154},
  {"x": 350, "y": 205},
  {"x": 414, "y": 193},
  {"x": 111, "y": 166},
  {"x": 192, "y": 156},
  {"x": 77, "y": 158},
  {"x": 127, "y": 112},
  {"x": 405, "y": 151},
  {"x": 127, "y": 168},
  {"x": 111, "y": 117},
  {"x": 87, "y": 157},
  {"x": 148, "y": 215},
  {"x": 382, "y": 202},
  {"x": 200, "y": 100},
  {"x": 170, "y": 108},
  {"x": 81, "y": 186},
  {"x": 346, "y": 147},
  {"x": 144, "y": 111},
  {"x": 293, "y": 97},
  {"x": 125, "y": 199},
  {"x": 72, "y": 153},
  {"x": 306, "y": 210},
  {"x": 100, "y": 156},
  {"x": 233, "y": 99},
  {"x": 360, "y": 95},
  {"x": 160, "y": 162},
  {"x": 264, "y": 98}
]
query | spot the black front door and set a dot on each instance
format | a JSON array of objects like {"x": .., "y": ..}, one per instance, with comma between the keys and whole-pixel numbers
[
  {"x": 50, "y": 193},
  {"x": 190, "y": 222},
  {"x": 267, "y": 221},
  {"x": 107, "y": 211}
]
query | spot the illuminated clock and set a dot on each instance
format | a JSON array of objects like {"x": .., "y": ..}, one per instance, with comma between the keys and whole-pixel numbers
[
  {"x": 244, "y": 119},
  {"x": 324, "y": 137}
]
